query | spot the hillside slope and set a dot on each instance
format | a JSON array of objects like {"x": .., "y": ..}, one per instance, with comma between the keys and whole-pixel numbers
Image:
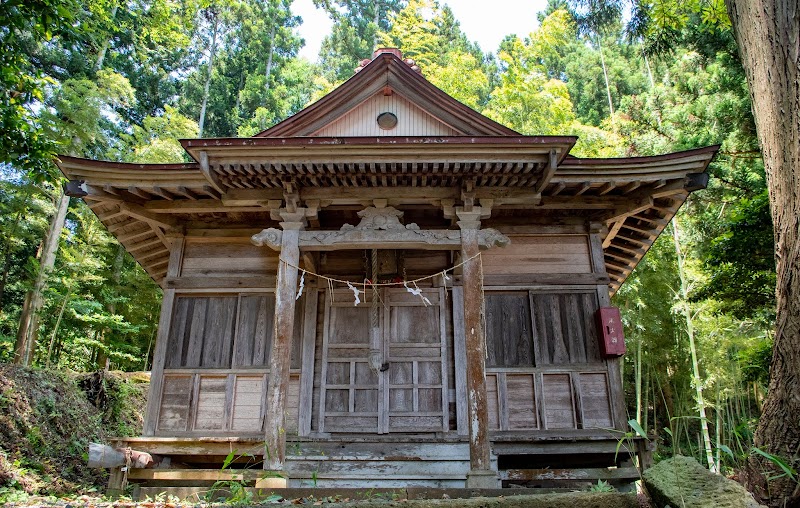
[{"x": 48, "y": 419}]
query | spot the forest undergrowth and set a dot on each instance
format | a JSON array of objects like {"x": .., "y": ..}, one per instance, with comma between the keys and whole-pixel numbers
[{"x": 49, "y": 417}]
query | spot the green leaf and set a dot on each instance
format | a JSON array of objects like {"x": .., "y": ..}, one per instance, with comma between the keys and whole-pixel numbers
[
  {"x": 638, "y": 428},
  {"x": 778, "y": 461}
]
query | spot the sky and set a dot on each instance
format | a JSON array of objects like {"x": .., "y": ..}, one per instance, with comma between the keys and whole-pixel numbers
[{"x": 484, "y": 21}]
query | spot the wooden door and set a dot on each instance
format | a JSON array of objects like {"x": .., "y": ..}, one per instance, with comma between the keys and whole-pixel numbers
[
  {"x": 416, "y": 389},
  {"x": 409, "y": 392}
]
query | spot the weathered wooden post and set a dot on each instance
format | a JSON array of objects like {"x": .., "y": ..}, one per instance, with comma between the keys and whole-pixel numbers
[
  {"x": 280, "y": 357},
  {"x": 480, "y": 474}
]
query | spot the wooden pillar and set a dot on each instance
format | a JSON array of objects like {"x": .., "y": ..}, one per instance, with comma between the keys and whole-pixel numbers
[
  {"x": 280, "y": 357},
  {"x": 164, "y": 322},
  {"x": 480, "y": 474}
]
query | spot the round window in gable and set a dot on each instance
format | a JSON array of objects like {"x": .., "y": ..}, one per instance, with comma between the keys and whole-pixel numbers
[{"x": 387, "y": 121}]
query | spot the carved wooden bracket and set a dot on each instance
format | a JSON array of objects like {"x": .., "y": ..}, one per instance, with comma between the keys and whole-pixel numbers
[{"x": 381, "y": 228}]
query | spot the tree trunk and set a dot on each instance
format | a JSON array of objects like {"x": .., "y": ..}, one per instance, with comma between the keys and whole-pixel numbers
[
  {"x": 101, "y": 56},
  {"x": 767, "y": 33},
  {"x": 29, "y": 319},
  {"x": 212, "y": 50},
  {"x": 271, "y": 50},
  {"x": 608, "y": 85}
]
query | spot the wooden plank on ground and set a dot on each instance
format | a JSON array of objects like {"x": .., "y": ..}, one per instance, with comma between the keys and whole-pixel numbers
[{"x": 591, "y": 474}]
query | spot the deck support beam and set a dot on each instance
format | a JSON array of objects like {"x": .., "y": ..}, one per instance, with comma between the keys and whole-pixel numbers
[
  {"x": 280, "y": 357},
  {"x": 480, "y": 474}
]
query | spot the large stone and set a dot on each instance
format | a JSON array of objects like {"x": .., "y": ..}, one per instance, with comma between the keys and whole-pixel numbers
[{"x": 682, "y": 482}]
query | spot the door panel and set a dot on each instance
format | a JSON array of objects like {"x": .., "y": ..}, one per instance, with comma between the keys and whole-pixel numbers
[
  {"x": 414, "y": 342},
  {"x": 409, "y": 395},
  {"x": 349, "y": 396}
]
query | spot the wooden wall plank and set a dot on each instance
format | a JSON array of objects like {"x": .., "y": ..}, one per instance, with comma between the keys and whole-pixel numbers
[
  {"x": 521, "y": 403},
  {"x": 595, "y": 401},
  {"x": 233, "y": 258},
  {"x": 254, "y": 330},
  {"x": 509, "y": 338},
  {"x": 460, "y": 356},
  {"x": 362, "y": 120},
  {"x": 528, "y": 254},
  {"x": 175, "y": 402},
  {"x": 248, "y": 410},
  {"x": 559, "y": 407},
  {"x": 211, "y": 401},
  {"x": 305, "y": 397}
]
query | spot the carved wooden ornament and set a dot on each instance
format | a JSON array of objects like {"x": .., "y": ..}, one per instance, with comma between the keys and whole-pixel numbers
[{"x": 381, "y": 228}]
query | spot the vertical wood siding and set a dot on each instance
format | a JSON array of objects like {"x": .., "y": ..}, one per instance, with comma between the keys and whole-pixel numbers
[
  {"x": 544, "y": 370},
  {"x": 216, "y": 369},
  {"x": 362, "y": 120}
]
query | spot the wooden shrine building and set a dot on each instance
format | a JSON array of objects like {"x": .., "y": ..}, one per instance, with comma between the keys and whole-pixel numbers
[{"x": 387, "y": 289}]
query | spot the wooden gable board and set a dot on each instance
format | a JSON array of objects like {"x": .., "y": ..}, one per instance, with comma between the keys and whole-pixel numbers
[
  {"x": 387, "y": 74},
  {"x": 362, "y": 120}
]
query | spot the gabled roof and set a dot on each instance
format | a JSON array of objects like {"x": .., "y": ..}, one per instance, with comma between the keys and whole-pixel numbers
[
  {"x": 332, "y": 152},
  {"x": 387, "y": 73}
]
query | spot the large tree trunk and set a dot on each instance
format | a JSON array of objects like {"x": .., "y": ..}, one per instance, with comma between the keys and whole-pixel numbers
[
  {"x": 768, "y": 35},
  {"x": 28, "y": 332}
]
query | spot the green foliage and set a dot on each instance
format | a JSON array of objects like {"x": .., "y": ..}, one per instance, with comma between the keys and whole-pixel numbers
[
  {"x": 46, "y": 425},
  {"x": 25, "y": 25},
  {"x": 602, "y": 486},
  {"x": 741, "y": 262},
  {"x": 354, "y": 34},
  {"x": 428, "y": 33}
]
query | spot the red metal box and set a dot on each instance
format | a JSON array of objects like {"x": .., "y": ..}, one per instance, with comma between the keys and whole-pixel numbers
[{"x": 612, "y": 340}]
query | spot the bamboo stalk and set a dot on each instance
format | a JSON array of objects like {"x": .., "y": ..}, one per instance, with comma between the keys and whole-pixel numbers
[{"x": 696, "y": 381}]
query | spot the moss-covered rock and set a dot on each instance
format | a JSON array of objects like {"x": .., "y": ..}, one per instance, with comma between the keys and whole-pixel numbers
[{"x": 682, "y": 482}]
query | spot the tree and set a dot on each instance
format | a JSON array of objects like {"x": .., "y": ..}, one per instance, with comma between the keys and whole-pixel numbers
[
  {"x": 531, "y": 100},
  {"x": 766, "y": 34},
  {"x": 428, "y": 33},
  {"x": 26, "y": 24},
  {"x": 354, "y": 35}
]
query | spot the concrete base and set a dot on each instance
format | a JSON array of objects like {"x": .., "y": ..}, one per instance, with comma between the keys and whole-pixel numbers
[
  {"x": 272, "y": 482},
  {"x": 482, "y": 479}
]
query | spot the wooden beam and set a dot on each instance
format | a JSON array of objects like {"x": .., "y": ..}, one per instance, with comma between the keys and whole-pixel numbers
[
  {"x": 638, "y": 206},
  {"x": 612, "y": 232},
  {"x": 163, "y": 193},
  {"x": 136, "y": 191},
  {"x": 138, "y": 212},
  {"x": 210, "y": 175},
  {"x": 591, "y": 474},
  {"x": 134, "y": 235},
  {"x": 203, "y": 282},
  {"x": 606, "y": 188},
  {"x": 198, "y": 206},
  {"x": 550, "y": 170},
  {"x": 583, "y": 188}
]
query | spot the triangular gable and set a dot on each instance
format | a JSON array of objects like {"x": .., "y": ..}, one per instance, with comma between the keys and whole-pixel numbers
[
  {"x": 411, "y": 120},
  {"x": 386, "y": 76}
]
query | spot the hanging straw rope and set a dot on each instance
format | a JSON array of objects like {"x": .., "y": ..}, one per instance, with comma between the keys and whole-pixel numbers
[{"x": 332, "y": 280}]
